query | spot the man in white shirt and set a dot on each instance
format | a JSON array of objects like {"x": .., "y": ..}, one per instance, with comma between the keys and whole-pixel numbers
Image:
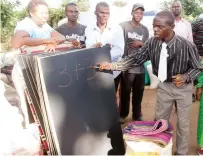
[
  {"x": 102, "y": 32},
  {"x": 182, "y": 27}
]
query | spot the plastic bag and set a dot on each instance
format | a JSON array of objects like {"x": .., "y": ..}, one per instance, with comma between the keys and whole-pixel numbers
[
  {"x": 14, "y": 139},
  {"x": 154, "y": 81},
  {"x": 143, "y": 148}
]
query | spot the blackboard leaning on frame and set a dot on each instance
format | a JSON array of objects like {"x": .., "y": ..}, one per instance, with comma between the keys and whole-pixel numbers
[{"x": 76, "y": 104}]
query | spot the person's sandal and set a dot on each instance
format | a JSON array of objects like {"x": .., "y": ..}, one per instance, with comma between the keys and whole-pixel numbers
[{"x": 200, "y": 151}]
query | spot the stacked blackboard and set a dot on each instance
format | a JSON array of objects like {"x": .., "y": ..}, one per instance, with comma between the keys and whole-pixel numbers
[{"x": 74, "y": 104}]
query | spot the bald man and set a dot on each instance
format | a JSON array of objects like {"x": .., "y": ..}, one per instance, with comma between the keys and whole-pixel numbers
[
  {"x": 182, "y": 27},
  {"x": 176, "y": 62}
]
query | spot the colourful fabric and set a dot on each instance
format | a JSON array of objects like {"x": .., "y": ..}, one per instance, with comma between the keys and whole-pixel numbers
[
  {"x": 159, "y": 132},
  {"x": 200, "y": 118}
]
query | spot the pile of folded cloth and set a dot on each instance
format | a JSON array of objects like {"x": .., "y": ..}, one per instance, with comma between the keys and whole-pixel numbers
[{"x": 159, "y": 132}]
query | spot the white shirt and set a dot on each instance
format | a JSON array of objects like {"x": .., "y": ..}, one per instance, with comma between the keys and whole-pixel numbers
[
  {"x": 112, "y": 34},
  {"x": 183, "y": 28}
]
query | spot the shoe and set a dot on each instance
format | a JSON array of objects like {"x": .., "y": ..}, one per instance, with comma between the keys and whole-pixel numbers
[
  {"x": 200, "y": 151},
  {"x": 178, "y": 154},
  {"x": 122, "y": 120}
]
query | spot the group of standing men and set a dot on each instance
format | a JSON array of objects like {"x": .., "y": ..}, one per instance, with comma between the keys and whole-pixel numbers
[
  {"x": 125, "y": 39},
  {"x": 130, "y": 40}
]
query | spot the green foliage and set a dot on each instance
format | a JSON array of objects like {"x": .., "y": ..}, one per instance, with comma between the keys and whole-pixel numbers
[
  {"x": 8, "y": 16},
  {"x": 65, "y": 2},
  {"x": 55, "y": 15},
  {"x": 83, "y": 5},
  {"x": 8, "y": 22},
  {"x": 119, "y": 3},
  {"x": 166, "y": 5},
  {"x": 22, "y": 14},
  {"x": 191, "y": 8}
]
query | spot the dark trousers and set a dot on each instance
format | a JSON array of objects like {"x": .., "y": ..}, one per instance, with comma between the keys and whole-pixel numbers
[
  {"x": 136, "y": 82},
  {"x": 116, "y": 81}
]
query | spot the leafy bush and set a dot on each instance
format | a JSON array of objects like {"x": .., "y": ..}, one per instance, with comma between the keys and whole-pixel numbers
[{"x": 8, "y": 22}]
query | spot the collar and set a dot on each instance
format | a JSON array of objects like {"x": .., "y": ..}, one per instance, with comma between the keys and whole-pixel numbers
[
  {"x": 135, "y": 26},
  {"x": 170, "y": 43},
  {"x": 108, "y": 26},
  {"x": 181, "y": 20}
]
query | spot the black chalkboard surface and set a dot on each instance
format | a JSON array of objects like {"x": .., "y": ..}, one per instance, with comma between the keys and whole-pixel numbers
[{"x": 79, "y": 103}]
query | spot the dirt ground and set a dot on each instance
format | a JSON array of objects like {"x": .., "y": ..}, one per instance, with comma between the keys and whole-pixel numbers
[{"x": 148, "y": 108}]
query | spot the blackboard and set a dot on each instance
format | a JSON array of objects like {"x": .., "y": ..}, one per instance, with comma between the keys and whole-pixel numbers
[{"x": 81, "y": 102}]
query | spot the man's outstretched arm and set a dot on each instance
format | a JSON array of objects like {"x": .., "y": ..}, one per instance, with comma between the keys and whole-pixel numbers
[{"x": 126, "y": 63}]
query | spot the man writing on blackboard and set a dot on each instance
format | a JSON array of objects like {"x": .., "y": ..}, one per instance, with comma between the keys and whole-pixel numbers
[
  {"x": 102, "y": 33},
  {"x": 72, "y": 30},
  {"x": 176, "y": 62}
]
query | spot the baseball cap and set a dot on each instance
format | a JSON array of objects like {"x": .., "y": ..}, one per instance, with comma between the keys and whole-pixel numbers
[{"x": 138, "y": 5}]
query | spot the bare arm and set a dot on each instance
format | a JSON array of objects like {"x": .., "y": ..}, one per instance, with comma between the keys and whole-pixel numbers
[
  {"x": 59, "y": 37},
  {"x": 21, "y": 38},
  {"x": 139, "y": 58}
]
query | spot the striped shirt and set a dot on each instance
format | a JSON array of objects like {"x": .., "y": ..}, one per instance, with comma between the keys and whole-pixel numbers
[
  {"x": 197, "y": 28},
  {"x": 183, "y": 58}
]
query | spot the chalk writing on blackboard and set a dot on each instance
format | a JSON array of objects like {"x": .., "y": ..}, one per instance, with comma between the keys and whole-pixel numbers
[
  {"x": 77, "y": 69},
  {"x": 94, "y": 70},
  {"x": 90, "y": 67},
  {"x": 70, "y": 78}
]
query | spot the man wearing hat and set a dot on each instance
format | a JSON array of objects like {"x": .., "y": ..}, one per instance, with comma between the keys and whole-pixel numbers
[{"x": 135, "y": 34}]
